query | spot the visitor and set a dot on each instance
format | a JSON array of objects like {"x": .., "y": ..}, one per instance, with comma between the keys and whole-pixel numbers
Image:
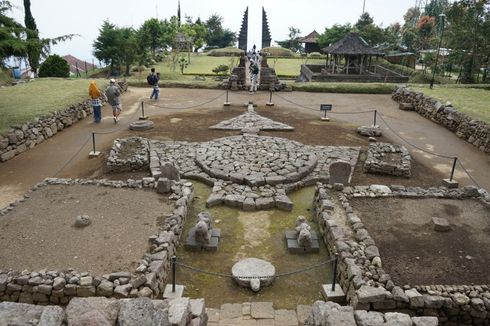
[
  {"x": 152, "y": 80},
  {"x": 113, "y": 93},
  {"x": 254, "y": 73},
  {"x": 156, "y": 89},
  {"x": 95, "y": 94}
]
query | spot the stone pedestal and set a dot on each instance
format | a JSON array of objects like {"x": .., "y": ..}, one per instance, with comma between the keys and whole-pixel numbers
[
  {"x": 93, "y": 154},
  {"x": 168, "y": 294},
  {"x": 192, "y": 245},
  {"x": 295, "y": 248},
  {"x": 337, "y": 295},
  {"x": 450, "y": 183}
]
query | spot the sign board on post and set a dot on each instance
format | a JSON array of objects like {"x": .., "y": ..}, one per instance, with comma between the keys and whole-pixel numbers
[{"x": 325, "y": 108}]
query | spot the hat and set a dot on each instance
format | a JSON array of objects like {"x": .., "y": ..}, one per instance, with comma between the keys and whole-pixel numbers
[{"x": 112, "y": 81}]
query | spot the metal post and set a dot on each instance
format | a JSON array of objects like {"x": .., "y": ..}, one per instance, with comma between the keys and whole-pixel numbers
[
  {"x": 325, "y": 114},
  {"x": 86, "y": 72},
  {"x": 375, "y": 116},
  {"x": 173, "y": 273},
  {"x": 335, "y": 263},
  {"x": 227, "y": 102},
  {"x": 452, "y": 170},
  {"x": 142, "y": 109},
  {"x": 93, "y": 142},
  {"x": 270, "y": 99}
]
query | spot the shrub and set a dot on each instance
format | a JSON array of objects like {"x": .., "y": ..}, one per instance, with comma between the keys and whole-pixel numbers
[
  {"x": 275, "y": 51},
  {"x": 221, "y": 69},
  {"x": 226, "y": 52},
  {"x": 54, "y": 66},
  {"x": 315, "y": 55}
]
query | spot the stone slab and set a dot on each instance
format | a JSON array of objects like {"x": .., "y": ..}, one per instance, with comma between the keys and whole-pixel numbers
[
  {"x": 168, "y": 294},
  {"x": 262, "y": 310},
  {"x": 291, "y": 234},
  {"x": 450, "y": 183},
  {"x": 295, "y": 248},
  {"x": 440, "y": 224},
  {"x": 337, "y": 295}
]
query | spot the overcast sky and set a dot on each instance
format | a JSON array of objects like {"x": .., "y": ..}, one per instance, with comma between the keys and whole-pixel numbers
[{"x": 58, "y": 17}]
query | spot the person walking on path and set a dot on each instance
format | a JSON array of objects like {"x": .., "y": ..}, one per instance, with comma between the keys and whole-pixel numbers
[
  {"x": 95, "y": 94},
  {"x": 254, "y": 73},
  {"x": 113, "y": 93},
  {"x": 153, "y": 80}
]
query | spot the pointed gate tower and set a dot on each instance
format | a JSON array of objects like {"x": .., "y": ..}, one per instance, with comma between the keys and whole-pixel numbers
[
  {"x": 243, "y": 36},
  {"x": 266, "y": 35}
]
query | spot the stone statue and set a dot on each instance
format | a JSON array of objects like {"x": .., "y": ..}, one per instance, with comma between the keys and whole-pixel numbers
[
  {"x": 303, "y": 232},
  {"x": 203, "y": 228}
]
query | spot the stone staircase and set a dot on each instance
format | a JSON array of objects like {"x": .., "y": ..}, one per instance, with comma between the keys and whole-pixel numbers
[{"x": 256, "y": 314}]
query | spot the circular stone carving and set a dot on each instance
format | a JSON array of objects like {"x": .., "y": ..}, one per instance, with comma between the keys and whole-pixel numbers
[
  {"x": 256, "y": 160},
  {"x": 141, "y": 125},
  {"x": 253, "y": 273}
]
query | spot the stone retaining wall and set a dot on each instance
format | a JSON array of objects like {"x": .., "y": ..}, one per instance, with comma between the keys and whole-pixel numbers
[
  {"x": 331, "y": 313},
  {"x": 389, "y": 159},
  {"x": 103, "y": 311},
  {"x": 473, "y": 131},
  {"x": 26, "y": 136},
  {"x": 129, "y": 154},
  {"x": 148, "y": 280},
  {"x": 361, "y": 276}
]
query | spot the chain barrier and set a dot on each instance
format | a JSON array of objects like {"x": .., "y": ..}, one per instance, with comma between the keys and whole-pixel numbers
[
  {"x": 330, "y": 112},
  {"x": 71, "y": 158},
  {"x": 302, "y": 270},
  {"x": 185, "y": 107},
  {"x": 469, "y": 175}
]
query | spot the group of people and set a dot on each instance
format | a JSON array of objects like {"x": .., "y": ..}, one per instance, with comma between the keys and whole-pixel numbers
[
  {"x": 113, "y": 96},
  {"x": 254, "y": 60}
]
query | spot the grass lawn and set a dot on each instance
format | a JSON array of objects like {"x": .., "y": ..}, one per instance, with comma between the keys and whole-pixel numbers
[
  {"x": 472, "y": 101},
  {"x": 359, "y": 88},
  {"x": 24, "y": 102}
]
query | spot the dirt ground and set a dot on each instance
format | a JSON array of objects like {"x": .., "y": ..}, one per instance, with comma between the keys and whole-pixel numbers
[
  {"x": 413, "y": 253},
  {"x": 39, "y": 233}
]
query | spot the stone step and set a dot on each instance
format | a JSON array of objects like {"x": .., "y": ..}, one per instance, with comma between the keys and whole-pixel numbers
[{"x": 256, "y": 314}]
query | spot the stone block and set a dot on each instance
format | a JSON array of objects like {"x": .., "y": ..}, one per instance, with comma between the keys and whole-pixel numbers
[
  {"x": 416, "y": 299},
  {"x": 294, "y": 247},
  {"x": 284, "y": 203},
  {"x": 262, "y": 310},
  {"x": 425, "y": 321},
  {"x": 369, "y": 294},
  {"x": 450, "y": 183},
  {"x": 264, "y": 203},
  {"x": 368, "y": 318},
  {"x": 52, "y": 316},
  {"x": 229, "y": 311},
  {"x": 440, "y": 224},
  {"x": 285, "y": 317},
  {"x": 339, "y": 172},
  {"x": 169, "y": 294},
  {"x": 336, "y": 295},
  {"x": 164, "y": 185}
]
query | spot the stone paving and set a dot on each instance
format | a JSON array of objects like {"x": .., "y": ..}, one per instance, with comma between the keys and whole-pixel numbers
[
  {"x": 255, "y": 314},
  {"x": 250, "y": 172},
  {"x": 251, "y": 120}
]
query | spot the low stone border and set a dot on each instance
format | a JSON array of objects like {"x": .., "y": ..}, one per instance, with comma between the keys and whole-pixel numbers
[
  {"x": 103, "y": 311},
  {"x": 361, "y": 276},
  {"x": 331, "y": 313},
  {"x": 473, "y": 131},
  {"x": 59, "y": 287},
  {"x": 26, "y": 136},
  {"x": 376, "y": 161},
  {"x": 134, "y": 158}
]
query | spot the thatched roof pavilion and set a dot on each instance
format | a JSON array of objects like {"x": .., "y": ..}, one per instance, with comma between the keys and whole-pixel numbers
[
  {"x": 356, "y": 53},
  {"x": 311, "y": 42}
]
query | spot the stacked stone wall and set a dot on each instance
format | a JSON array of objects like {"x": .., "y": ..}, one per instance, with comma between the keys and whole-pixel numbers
[
  {"x": 473, "y": 131},
  {"x": 21, "y": 138},
  {"x": 379, "y": 161},
  {"x": 361, "y": 276},
  {"x": 148, "y": 280},
  {"x": 129, "y": 154}
]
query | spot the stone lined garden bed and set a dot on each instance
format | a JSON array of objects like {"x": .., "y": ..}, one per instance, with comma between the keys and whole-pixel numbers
[
  {"x": 367, "y": 285},
  {"x": 389, "y": 159}
]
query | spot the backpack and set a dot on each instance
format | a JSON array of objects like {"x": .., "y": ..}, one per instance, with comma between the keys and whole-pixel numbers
[
  {"x": 151, "y": 79},
  {"x": 255, "y": 69}
]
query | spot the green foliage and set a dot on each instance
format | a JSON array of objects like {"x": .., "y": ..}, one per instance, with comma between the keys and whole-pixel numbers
[
  {"x": 292, "y": 43},
  {"x": 182, "y": 64},
  {"x": 54, "y": 66},
  {"x": 370, "y": 32},
  {"x": 315, "y": 55},
  {"x": 226, "y": 52},
  {"x": 221, "y": 69},
  {"x": 273, "y": 51},
  {"x": 333, "y": 34},
  {"x": 34, "y": 46},
  {"x": 217, "y": 35}
]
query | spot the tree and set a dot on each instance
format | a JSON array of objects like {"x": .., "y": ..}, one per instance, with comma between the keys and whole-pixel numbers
[
  {"x": 393, "y": 36},
  {"x": 216, "y": 35},
  {"x": 436, "y": 7},
  {"x": 54, "y": 66},
  {"x": 364, "y": 21},
  {"x": 292, "y": 43},
  {"x": 107, "y": 45},
  {"x": 11, "y": 42},
  {"x": 425, "y": 32},
  {"x": 129, "y": 47},
  {"x": 150, "y": 35},
  {"x": 370, "y": 32},
  {"x": 333, "y": 34},
  {"x": 34, "y": 46}
]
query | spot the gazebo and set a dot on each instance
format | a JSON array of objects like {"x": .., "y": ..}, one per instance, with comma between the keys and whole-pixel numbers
[
  {"x": 355, "y": 51},
  {"x": 311, "y": 42}
]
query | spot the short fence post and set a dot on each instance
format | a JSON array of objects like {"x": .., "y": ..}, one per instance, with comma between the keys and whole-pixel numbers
[
  {"x": 270, "y": 99},
  {"x": 335, "y": 263},
  {"x": 143, "y": 111},
  {"x": 93, "y": 153},
  {"x": 452, "y": 170},
  {"x": 227, "y": 102},
  {"x": 375, "y": 116},
  {"x": 173, "y": 273}
]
